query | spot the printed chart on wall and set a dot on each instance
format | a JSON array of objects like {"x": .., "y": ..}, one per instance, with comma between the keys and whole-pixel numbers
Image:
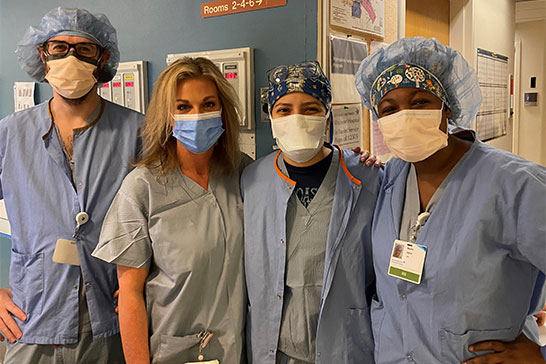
[
  {"x": 493, "y": 77},
  {"x": 347, "y": 125},
  {"x": 365, "y": 16}
]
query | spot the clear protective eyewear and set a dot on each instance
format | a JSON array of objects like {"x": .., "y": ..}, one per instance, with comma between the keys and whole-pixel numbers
[
  {"x": 306, "y": 70},
  {"x": 56, "y": 49}
]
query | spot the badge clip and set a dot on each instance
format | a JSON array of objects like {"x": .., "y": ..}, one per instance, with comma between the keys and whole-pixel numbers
[{"x": 81, "y": 219}]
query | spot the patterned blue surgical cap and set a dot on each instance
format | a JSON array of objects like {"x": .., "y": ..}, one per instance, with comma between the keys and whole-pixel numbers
[{"x": 443, "y": 66}]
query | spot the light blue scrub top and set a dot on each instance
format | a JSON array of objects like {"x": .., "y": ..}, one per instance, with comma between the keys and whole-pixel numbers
[
  {"x": 42, "y": 203},
  {"x": 191, "y": 240},
  {"x": 485, "y": 264},
  {"x": 343, "y": 333}
]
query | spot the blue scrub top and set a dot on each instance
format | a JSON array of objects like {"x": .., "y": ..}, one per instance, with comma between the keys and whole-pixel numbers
[
  {"x": 343, "y": 332},
  {"x": 485, "y": 264},
  {"x": 42, "y": 203}
]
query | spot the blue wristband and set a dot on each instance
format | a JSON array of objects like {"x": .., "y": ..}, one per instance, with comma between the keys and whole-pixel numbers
[{"x": 543, "y": 350}]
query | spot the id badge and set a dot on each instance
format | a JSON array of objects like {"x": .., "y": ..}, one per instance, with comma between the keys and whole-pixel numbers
[
  {"x": 203, "y": 362},
  {"x": 66, "y": 252},
  {"x": 407, "y": 261}
]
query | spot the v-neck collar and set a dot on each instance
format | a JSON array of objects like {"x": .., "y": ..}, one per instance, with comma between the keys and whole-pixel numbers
[
  {"x": 193, "y": 188},
  {"x": 412, "y": 188}
]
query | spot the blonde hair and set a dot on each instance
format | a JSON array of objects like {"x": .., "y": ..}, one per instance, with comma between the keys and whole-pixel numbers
[{"x": 159, "y": 149}]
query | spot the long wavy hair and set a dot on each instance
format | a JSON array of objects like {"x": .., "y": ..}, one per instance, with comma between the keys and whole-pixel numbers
[{"x": 159, "y": 145}]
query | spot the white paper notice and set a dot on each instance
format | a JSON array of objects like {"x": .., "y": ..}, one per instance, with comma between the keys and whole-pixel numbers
[
  {"x": 347, "y": 125},
  {"x": 23, "y": 95},
  {"x": 5, "y": 228},
  {"x": 347, "y": 54}
]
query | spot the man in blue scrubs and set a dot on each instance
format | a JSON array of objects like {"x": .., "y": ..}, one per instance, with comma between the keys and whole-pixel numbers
[{"x": 61, "y": 164}]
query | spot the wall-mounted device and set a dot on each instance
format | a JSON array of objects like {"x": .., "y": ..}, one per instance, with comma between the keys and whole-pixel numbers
[
  {"x": 530, "y": 98},
  {"x": 237, "y": 65},
  {"x": 129, "y": 87}
]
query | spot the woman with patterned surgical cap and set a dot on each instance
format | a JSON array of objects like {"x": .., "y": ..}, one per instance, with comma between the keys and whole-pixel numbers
[
  {"x": 470, "y": 219},
  {"x": 307, "y": 216}
]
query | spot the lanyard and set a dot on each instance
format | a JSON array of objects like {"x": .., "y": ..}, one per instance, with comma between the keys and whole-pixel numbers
[{"x": 416, "y": 228}]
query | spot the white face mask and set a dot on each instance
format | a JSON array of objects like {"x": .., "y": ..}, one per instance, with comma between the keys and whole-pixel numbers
[
  {"x": 300, "y": 137},
  {"x": 413, "y": 135},
  {"x": 71, "y": 77}
]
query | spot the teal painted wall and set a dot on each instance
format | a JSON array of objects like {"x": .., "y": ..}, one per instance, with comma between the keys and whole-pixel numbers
[{"x": 150, "y": 29}]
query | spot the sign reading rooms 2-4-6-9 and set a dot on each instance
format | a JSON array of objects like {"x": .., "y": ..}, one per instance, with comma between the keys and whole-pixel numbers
[{"x": 224, "y": 7}]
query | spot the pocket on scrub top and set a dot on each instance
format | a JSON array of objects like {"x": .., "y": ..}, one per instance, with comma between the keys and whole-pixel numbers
[
  {"x": 455, "y": 346},
  {"x": 359, "y": 335},
  {"x": 26, "y": 279},
  {"x": 177, "y": 349}
]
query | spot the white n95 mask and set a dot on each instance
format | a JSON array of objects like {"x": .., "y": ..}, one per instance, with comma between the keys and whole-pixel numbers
[
  {"x": 300, "y": 137},
  {"x": 413, "y": 135},
  {"x": 71, "y": 77}
]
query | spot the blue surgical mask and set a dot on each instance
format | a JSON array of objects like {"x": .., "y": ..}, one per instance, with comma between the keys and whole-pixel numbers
[{"x": 198, "y": 132}]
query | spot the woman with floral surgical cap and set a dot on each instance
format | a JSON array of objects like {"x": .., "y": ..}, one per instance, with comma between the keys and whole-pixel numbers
[
  {"x": 307, "y": 217},
  {"x": 469, "y": 219}
]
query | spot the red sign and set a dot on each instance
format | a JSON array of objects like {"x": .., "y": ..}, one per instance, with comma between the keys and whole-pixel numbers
[
  {"x": 225, "y": 7},
  {"x": 129, "y": 84},
  {"x": 116, "y": 84}
]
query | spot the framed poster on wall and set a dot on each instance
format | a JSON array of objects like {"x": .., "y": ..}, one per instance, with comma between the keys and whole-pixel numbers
[{"x": 366, "y": 16}]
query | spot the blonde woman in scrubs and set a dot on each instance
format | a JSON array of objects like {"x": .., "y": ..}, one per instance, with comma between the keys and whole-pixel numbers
[{"x": 175, "y": 228}]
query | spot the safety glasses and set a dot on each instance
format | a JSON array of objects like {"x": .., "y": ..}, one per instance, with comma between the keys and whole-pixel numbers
[
  {"x": 56, "y": 49},
  {"x": 305, "y": 70}
]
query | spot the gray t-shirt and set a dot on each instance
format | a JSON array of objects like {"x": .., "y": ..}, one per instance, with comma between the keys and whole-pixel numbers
[{"x": 191, "y": 240}]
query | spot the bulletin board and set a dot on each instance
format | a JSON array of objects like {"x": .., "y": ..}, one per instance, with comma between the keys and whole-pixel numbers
[
  {"x": 492, "y": 70},
  {"x": 369, "y": 22},
  {"x": 348, "y": 28},
  {"x": 346, "y": 53}
]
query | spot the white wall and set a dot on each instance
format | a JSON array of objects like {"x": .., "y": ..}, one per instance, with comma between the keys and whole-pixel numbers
[
  {"x": 531, "y": 122},
  {"x": 488, "y": 25}
]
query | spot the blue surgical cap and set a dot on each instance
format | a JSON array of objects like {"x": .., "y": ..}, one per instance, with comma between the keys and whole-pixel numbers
[
  {"x": 63, "y": 21},
  {"x": 306, "y": 77},
  {"x": 446, "y": 64}
]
